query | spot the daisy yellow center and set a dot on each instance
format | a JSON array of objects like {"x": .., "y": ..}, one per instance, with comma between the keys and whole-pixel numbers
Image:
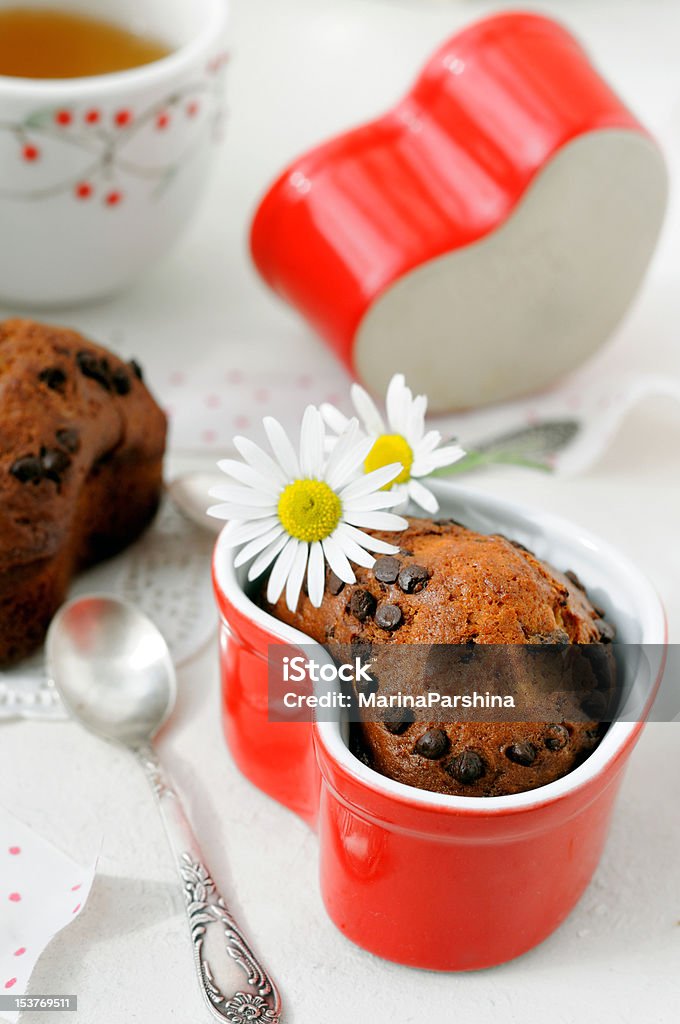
[
  {"x": 309, "y": 510},
  {"x": 389, "y": 448}
]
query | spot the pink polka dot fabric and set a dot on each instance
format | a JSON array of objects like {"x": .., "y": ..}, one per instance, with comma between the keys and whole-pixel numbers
[
  {"x": 41, "y": 891},
  {"x": 208, "y": 404}
]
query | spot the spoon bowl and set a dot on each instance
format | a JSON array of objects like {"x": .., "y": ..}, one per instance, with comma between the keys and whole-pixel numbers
[{"x": 112, "y": 669}]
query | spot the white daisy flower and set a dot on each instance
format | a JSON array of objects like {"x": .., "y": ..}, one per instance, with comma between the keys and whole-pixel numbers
[
  {"x": 403, "y": 440},
  {"x": 301, "y": 512}
]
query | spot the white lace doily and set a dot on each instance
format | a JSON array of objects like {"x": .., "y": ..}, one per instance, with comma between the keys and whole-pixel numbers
[{"x": 166, "y": 573}]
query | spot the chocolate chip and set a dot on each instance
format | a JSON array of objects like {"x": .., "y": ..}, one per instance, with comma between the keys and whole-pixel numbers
[
  {"x": 573, "y": 578},
  {"x": 68, "y": 438},
  {"x": 121, "y": 382},
  {"x": 466, "y": 768},
  {"x": 556, "y": 737},
  {"x": 468, "y": 653},
  {"x": 386, "y": 569},
  {"x": 607, "y": 631},
  {"x": 522, "y": 753},
  {"x": 54, "y": 462},
  {"x": 400, "y": 720},
  {"x": 95, "y": 367},
  {"x": 433, "y": 744},
  {"x": 136, "y": 369},
  {"x": 413, "y": 578},
  {"x": 388, "y": 616},
  {"x": 405, "y": 552},
  {"x": 362, "y": 604},
  {"x": 26, "y": 469},
  {"x": 54, "y": 377},
  {"x": 334, "y": 583}
]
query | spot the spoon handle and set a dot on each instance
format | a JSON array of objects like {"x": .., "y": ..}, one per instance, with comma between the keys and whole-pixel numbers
[{"x": 208, "y": 916}]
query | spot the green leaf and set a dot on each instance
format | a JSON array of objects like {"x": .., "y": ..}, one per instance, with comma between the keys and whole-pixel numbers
[
  {"x": 39, "y": 118},
  {"x": 475, "y": 460}
]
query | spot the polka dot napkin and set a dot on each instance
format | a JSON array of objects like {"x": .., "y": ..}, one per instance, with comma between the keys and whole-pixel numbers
[
  {"x": 570, "y": 426},
  {"x": 41, "y": 891}
]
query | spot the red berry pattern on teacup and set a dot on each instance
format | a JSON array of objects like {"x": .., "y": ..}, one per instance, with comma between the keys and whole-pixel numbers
[{"x": 108, "y": 169}]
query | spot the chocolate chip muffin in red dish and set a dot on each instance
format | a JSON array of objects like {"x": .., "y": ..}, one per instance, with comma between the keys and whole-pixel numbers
[
  {"x": 450, "y": 585},
  {"x": 81, "y": 460}
]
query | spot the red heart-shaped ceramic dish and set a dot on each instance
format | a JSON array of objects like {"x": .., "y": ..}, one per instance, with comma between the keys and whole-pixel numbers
[
  {"x": 487, "y": 234},
  {"x": 429, "y": 880}
]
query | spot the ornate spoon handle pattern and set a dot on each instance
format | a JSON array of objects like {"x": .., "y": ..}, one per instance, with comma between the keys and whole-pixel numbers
[{"x": 257, "y": 998}]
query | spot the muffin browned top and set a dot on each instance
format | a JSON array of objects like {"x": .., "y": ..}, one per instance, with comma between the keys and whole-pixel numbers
[{"x": 450, "y": 585}]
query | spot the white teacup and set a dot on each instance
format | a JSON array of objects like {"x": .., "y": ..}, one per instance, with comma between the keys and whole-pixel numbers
[{"x": 99, "y": 175}]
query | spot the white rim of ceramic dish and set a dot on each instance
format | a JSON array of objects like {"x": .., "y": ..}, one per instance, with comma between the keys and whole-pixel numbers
[
  {"x": 652, "y": 627},
  {"x": 62, "y": 89}
]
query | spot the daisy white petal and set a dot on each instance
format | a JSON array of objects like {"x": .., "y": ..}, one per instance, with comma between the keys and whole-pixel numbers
[
  {"x": 376, "y": 520},
  {"x": 397, "y": 403},
  {"x": 280, "y": 570},
  {"x": 316, "y": 574},
  {"x": 371, "y": 502},
  {"x": 366, "y": 540},
  {"x": 333, "y": 417},
  {"x": 367, "y": 410},
  {"x": 258, "y": 459},
  {"x": 296, "y": 576},
  {"x": 352, "y": 550},
  {"x": 219, "y": 512},
  {"x": 343, "y": 445},
  {"x": 245, "y": 474},
  {"x": 337, "y": 559},
  {"x": 311, "y": 443},
  {"x": 230, "y": 510},
  {"x": 236, "y": 533},
  {"x": 243, "y": 495},
  {"x": 351, "y": 463},
  {"x": 394, "y": 467},
  {"x": 400, "y": 491},
  {"x": 427, "y": 444},
  {"x": 441, "y": 457},
  {"x": 257, "y": 545},
  {"x": 371, "y": 482},
  {"x": 422, "y": 496},
  {"x": 282, "y": 448},
  {"x": 264, "y": 560},
  {"x": 416, "y": 420}
]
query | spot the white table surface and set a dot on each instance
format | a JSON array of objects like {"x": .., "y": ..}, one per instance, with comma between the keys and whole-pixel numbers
[{"x": 301, "y": 70}]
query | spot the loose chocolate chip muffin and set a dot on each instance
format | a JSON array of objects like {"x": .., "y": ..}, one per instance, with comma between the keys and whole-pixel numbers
[
  {"x": 81, "y": 452},
  {"x": 452, "y": 586}
]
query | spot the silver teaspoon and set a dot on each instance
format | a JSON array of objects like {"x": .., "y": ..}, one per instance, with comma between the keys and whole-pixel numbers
[{"x": 114, "y": 673}]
